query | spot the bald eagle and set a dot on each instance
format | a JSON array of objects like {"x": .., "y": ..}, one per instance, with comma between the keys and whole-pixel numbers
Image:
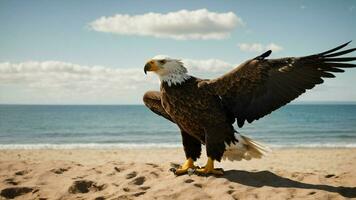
[{"x": 205, "y": 110}]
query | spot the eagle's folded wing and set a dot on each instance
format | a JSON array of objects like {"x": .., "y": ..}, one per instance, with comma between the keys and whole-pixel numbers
[
  {"x": 152, "y": 100},
  {"x": 260, "y": 86}
]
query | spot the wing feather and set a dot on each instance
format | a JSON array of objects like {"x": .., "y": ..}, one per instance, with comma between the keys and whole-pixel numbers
[
  {"x": 259, "y": 86},
  {"x": 152, "y": 100}
]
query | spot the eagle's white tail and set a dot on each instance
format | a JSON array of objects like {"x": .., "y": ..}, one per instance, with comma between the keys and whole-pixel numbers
[{"x": 246, "y": 149}]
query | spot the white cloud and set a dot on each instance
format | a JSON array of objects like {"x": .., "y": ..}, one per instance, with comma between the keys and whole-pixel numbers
[
  {"x": 274, "y": 47},
  {"x": 258, "y": 47},
  {"x": 180, "y": 25},
  {"x": 59, "y": 74},
  {"x": 62, "y": 82},
  {"x": 254, "y": 47},
  {"x": 207, "y": 66},
  {"x": 66, "y": 83}
]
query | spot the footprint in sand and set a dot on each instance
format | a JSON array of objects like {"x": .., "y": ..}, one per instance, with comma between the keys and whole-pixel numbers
[
  {"x": 145, "y": 188},
  {"x": 139, "y": 180},
  {"x": 117, "y": 169},
  {"x": 123, "y": 197},
  {"x": 11, "y": 181},
  {"x": 131, "y": 175},
  {"x": 131, "y": 196},
  {"x": 115, "y": 184},
  {"x": 59, "y": 170},
  {"x": 127, "y": 197},
  {"x": 80, "y": 177},
  {"x": 22, "y": 172},
  {"x": 198, "y": 185},
  {"x": 189, "y": 181},
  {"x": 329, "y": 175},
  {"x": 139, "y": 194},
  {"x": 13, "y": 192},
  {"x": 111, "y": 174},
  {"x": 153, "y": 165},
  {"x": 84, "y": 186},
  {"x": 230, "y": 191},
  {"x": 96, "y": 170},
  {"x": 154, "y": 174}
]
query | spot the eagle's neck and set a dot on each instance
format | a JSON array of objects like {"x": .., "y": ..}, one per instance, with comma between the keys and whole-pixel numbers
[{"x": 174, "y": 78}]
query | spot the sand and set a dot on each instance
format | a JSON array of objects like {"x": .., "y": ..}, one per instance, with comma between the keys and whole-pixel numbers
[{"x": 144, "y": 174}]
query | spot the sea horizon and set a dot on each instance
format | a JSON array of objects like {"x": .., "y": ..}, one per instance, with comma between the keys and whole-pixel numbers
[{"x": 137, "y": 104}]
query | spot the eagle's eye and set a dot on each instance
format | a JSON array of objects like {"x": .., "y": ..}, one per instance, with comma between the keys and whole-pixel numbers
[{"x": 162, "y": 62}]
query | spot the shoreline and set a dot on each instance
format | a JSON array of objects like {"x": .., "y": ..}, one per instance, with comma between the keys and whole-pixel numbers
[
  {"x": 97, "y": 146},
  {"x": 302, "y": 173},
  {"x": 162, "y": 155}
]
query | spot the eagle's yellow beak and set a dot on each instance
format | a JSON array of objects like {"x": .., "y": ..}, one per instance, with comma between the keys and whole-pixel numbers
[{"x": 150, "y": 66}]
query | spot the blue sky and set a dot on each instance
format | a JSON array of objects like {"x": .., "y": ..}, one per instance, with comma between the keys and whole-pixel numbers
[{"x": 55, "y": 33}]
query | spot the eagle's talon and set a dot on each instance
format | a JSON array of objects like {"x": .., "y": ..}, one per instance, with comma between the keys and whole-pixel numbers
[
  {"x": 191, "y": 171},
  {"x": 181, "y": 171},
  {"x": 173, "y": 170},
  {"x": 205, "y": 171},
  {"x": 175, "y": 165},
  {"x": 209, "y": 169},
  {"x": 186, "y": 168}
]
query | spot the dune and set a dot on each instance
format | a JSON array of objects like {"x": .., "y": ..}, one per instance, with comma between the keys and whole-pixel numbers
[{"x": 144, "y": 174}]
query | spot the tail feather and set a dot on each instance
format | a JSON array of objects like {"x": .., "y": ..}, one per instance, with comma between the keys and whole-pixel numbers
[
  {"x": 264, "y": 149},
  {"x": 246, "y": 148}
]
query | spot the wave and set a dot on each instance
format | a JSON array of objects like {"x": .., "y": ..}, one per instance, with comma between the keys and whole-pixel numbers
[
  {"x": 315, "y": 145},
  {"x": 156, "y": 145},
  {"x": 90, "y": 146}
]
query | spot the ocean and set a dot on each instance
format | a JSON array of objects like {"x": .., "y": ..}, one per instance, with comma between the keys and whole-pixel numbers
[{"x": 134, "y": 126}]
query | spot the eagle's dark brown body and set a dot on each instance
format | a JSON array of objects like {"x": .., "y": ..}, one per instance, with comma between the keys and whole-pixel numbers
[
  {"x": 205, "y": 110},
  {"x": 199, "y": 115}
]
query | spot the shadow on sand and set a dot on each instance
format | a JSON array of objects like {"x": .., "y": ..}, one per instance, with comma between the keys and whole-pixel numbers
[{"x": 267, "y": 178}]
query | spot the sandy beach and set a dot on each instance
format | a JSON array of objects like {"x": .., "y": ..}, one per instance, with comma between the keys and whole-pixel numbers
[{"x": 144, "y": 174}]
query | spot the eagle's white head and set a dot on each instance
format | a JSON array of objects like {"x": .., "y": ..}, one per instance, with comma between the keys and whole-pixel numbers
[{"x": 169, "y": 70}]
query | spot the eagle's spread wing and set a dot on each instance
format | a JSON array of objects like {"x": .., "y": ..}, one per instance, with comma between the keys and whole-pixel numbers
[
  {"x": 152, "y": 100},
  {"x": 259, "y": 86}
]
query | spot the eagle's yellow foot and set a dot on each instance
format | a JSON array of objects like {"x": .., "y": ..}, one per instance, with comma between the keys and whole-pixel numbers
[
  {"x": 209, "y": 169},
  {"x": 187, "y": 167}
]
